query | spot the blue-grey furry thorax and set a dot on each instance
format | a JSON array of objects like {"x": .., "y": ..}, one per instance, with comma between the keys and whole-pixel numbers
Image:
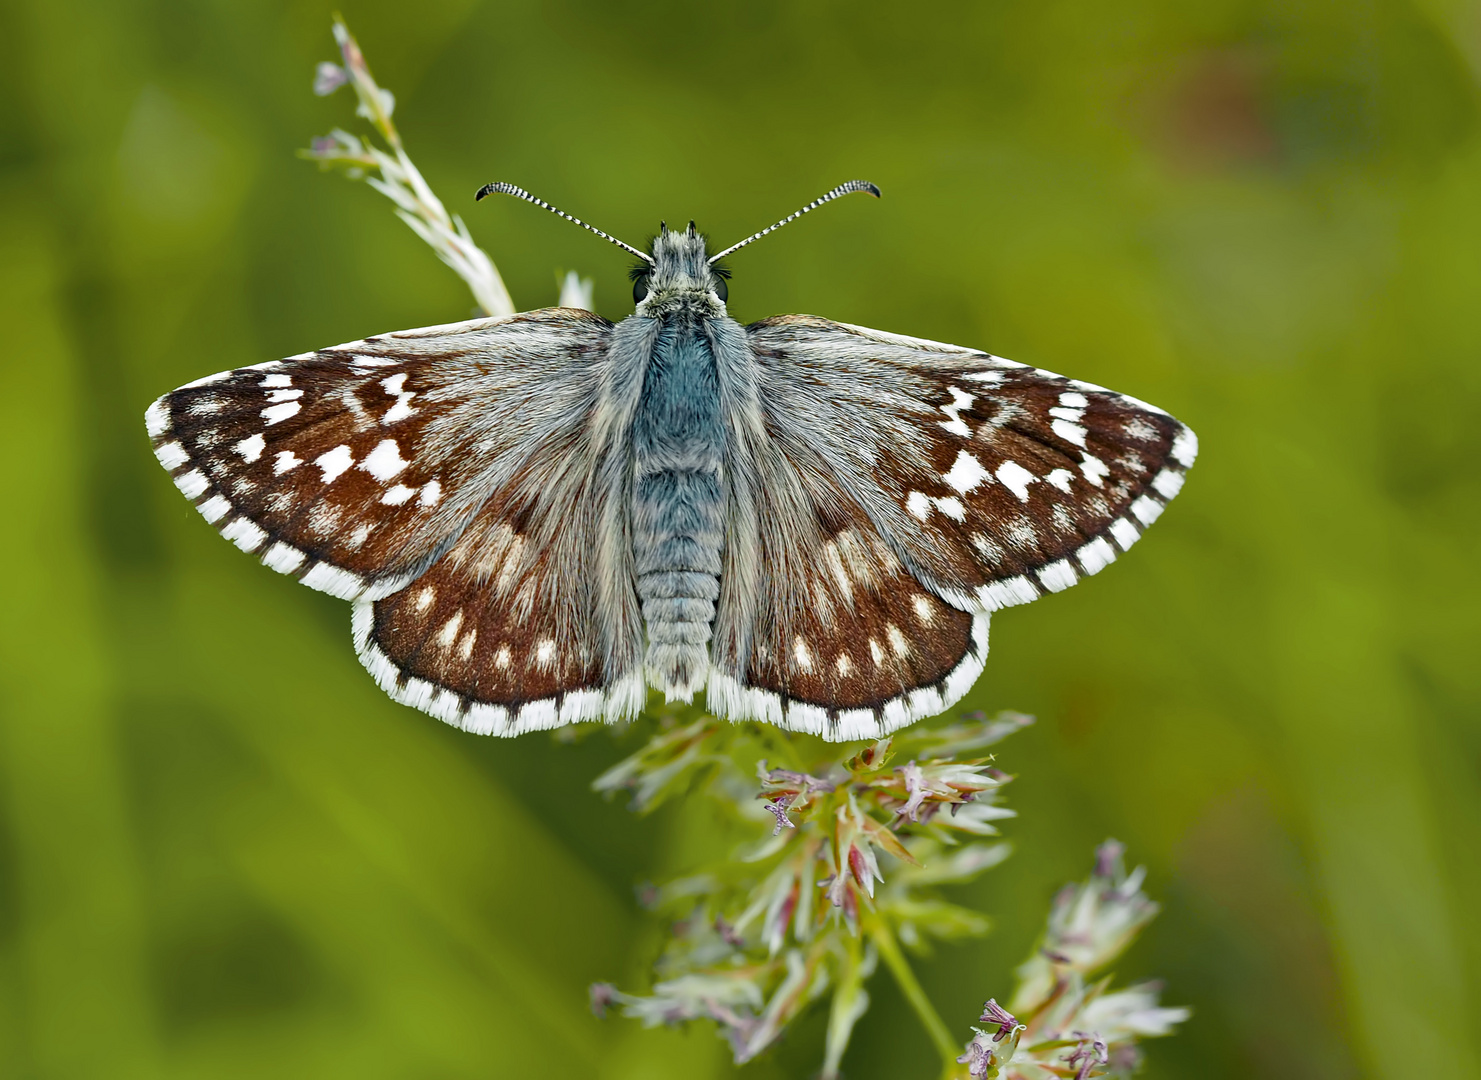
[{"x": 678, "y": 451}]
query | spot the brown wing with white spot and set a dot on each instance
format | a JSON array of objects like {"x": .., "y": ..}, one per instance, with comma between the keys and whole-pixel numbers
[
  {"x": 842, "y": 641},
  {"x": 354, "y": 468},
  {"x": 501, "y": 636},
  {"x": 992, "y": 481}
]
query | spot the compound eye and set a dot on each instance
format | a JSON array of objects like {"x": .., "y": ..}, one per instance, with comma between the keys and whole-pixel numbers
[
  {"x": 640, "y": 289},
  {"x": 722, "y": 290}
]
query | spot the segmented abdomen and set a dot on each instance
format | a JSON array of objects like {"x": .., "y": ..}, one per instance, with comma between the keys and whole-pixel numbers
[{"x": 678, "y": 510}]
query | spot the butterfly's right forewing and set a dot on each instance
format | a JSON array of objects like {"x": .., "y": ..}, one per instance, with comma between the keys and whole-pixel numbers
[{"x": 354, "y": 468}]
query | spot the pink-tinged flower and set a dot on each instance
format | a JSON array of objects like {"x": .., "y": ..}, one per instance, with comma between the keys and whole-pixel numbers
[
  {"x": 603, "y": 996},
  {"x": 993, "y": 1013},
  {"x": 778, "y": 809},
  {"x": 1089, "y": 1054},
  {"x": 1090, "y": 925},
  {"x": 979, "y": 1057},
  {"x": 328, "y": 78}
]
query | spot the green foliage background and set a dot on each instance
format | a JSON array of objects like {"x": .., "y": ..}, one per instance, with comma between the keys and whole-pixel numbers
[{"x": 223, "y": 853}]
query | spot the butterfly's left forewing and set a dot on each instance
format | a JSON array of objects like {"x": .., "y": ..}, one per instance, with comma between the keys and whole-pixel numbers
[{"x": 996, "y": 482}]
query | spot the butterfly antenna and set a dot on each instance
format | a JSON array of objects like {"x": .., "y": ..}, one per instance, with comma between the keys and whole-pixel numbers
[
  {"x": 841, "y": 189},
  {"x": 521, "y": 193}
]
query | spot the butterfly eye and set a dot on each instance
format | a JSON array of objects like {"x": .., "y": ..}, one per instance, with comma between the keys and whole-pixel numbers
[
  {"x": 722, "y": 290},
  {"x": 640, "y": 289}
]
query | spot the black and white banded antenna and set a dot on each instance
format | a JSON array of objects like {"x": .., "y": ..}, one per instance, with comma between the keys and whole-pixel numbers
[
  {"x": 502, "y": 188},
  {"x": 842, "y": 189}
]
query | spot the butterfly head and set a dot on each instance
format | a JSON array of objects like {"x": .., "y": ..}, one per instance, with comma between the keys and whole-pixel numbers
[
  {"x": 680, "y": 277},
  {"x": 677, "y": 273}
]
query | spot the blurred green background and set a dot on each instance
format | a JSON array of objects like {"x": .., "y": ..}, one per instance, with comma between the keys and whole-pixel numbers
[{"x": 223, "y": 853}]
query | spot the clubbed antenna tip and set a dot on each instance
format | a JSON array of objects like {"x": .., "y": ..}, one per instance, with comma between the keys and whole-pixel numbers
[
  {"x": 842, "y": 189},
  {"x": 502, "y": 188}
]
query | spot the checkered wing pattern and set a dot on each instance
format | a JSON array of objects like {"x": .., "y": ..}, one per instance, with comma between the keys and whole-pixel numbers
[
  {"x": 354, "y": 468},
  {"x": 951, "y": 483},
  {"x": 457, "y": 457}
]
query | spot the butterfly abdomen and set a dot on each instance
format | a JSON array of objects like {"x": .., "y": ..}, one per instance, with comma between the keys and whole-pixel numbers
[{"x": 678, "y": 508}]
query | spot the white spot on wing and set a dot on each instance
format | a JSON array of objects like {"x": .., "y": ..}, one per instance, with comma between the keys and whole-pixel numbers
[
  {"x": 287, "y": 459},
  {"x": 919, "y": 504},
  {"x": 960, "y": 400},
  {"x": 1094, "y": 469},
  {"x": 897, "y": 640},
  {"x": 449, "y": 632},
  {"x": 1071, "y": 400},
  {"x": 966, "y": 472},
  {"x": 393, "y": 385},
  {"x": 844, "y": 665},
  {"x": 545, "y": 653},
  {"x": 1016, "y": 479},
  {"x": 875, "y": 651},
  {"x": 274, "y": 414},
  {"x": 251, "y": 448},
  {"x": 276, "y": 380},
  {"x": 275, "y": 396},
  {"x": 1070, "y": 433},
  {"x": 952, "y": 507},
  {"x": 923, "y": 609},
  {"x": 431, "y": 492},
  {"x": 1061, "y": 478},
  {"x": 804, "y": 657},
  {"x": 425, "y": 597},
  {"x": 398, "y": 495},
  {"x": 385, "y": 461},
  {"x": 335, "y": 462}
]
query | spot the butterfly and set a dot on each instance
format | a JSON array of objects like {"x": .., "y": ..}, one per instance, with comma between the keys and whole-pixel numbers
[{"x": 538, "y": 517}]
